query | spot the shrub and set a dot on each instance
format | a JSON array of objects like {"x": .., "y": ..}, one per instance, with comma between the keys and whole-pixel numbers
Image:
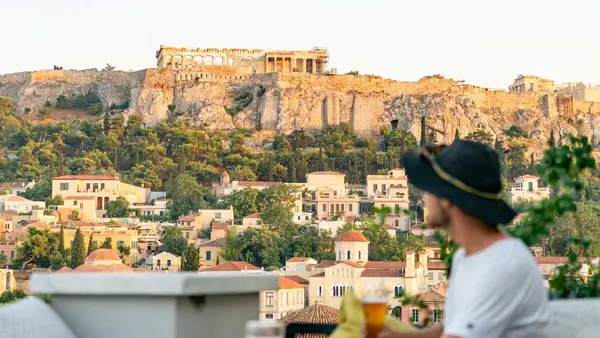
[
  {"x": 43, "y": 113},
  {"x": 47, "y": 104}
]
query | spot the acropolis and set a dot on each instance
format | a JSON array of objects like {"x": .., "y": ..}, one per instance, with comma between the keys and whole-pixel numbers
[{"x": 244, "y": 61}]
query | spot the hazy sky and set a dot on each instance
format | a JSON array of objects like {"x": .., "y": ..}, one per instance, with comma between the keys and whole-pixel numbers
[{"x": 484, "y": 42}]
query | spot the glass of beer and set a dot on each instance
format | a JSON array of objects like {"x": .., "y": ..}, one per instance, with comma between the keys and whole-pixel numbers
[{"x": 375, "y": 306}]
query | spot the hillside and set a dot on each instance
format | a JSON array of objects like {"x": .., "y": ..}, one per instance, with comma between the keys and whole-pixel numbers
[{"x": 280, "y": 102}]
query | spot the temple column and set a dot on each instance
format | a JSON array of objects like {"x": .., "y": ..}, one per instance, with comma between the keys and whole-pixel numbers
[
  {"x": 292, "y": 64},
  {"x": 303, "y": 66},
  {"x": 266, "y": 64}
]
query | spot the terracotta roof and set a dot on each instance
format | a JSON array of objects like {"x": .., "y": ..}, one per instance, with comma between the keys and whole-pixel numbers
[
  {"x": 254, "y": 215},
  {"x": 219, "y": 225},
  {"x": 430, "y": 297},
  {"x": 325, "y": 264},
  {"x": 297, "y": 279},
  {"x": 79, "y": 198},
  {"x": 17, "y": 184},
  {"x": 286, "y": 283},
  {"x": 381, "y": 273},
  {"x": 256, "y": 183},
  {"x": 188, "y": 218},
  {"x": 140, "y": 270},
  {"x": 216, "y": 242},
  {"x": 86, "y": 177},
  {"x": 118, "y": 268},
  {"x": 384, "y": 265},
  {"x": 15, "y": 198},
  {"x": 64, "y": 269},
  {"x": 103, "y": 255},
  {"x": 298, "y": 259},
  {"x": 551, "y": 259},
  {"x": 325, "y": 173},
  {"x": 316, "y": 314},
  {"x": 351, "y": 263},
  {"x": 232, "y": 266},
  {"x": 436, "y": 265},
  {"x": 90, "y": 268},
  {"x": 322, "y": 274},
  {"x": 352, "y": 236}
]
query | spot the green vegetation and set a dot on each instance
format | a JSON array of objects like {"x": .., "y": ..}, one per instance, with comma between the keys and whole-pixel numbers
[
  {"x": 191, "y": 260},
  {"x": 241, "y": 101},
  {"x": 89, "y": 101},
  {"x": 353, "y": 72}
]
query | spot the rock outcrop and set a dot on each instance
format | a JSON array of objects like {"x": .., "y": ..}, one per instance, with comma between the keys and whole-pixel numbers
[{"x": 283, "y": 102}]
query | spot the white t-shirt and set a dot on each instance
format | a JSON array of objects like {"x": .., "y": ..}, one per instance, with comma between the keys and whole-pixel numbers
[{"x": 495, "y": 293}]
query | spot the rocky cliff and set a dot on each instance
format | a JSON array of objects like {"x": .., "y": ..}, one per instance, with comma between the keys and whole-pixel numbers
[{"x": 282, "y": 102}]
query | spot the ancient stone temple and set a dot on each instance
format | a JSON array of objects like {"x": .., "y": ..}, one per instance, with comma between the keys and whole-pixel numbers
[{"x": 244, "y": 60}]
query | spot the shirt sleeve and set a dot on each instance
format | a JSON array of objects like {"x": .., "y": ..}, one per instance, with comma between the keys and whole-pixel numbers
[{"x": 486, "y": 309}]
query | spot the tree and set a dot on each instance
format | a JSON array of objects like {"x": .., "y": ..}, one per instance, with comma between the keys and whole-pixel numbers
[
  {"x": 92, "y": 246},
  {"x": 173, "y": 241},
  {"x": 423, "y": 132},
  {"x": 106, "y": 123},
  {"x": 78, "y": 250},
  {"x": 75, "y": 215},
  {"x": 118, "y": 207},
  {"x": 43, "y": 113},
  {"x": 124, "y": 251},
  {"x": 244, "y": 202},
  {"x": 61, "y": 241},
  {"x": 3, "y": 259},
  {"x": 191, "y": 260},
  {"x": 456, "y": 135},
  {"x": 480, "y": 136},
  {"x": 552, "y": 141},
  {"x": 41, "y": 191},
  {"x": 57, "y": 261},
  {"x": 108, "y": 67},
  {"x": 107, "y": 244},
  {"x": 186, "y": 195},
  {"x": 37, "y": 247}
]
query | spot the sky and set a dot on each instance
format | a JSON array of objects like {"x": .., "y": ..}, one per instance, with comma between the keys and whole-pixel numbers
[{"x": 483, "y": 42}]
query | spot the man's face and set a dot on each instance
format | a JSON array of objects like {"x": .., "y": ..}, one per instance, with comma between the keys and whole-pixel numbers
[{"x": 438, "y": 216}]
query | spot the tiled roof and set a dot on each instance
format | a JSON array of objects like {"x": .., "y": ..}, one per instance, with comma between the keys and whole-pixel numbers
[
  {"x": 298, "y": 259},
  {"x": 436, "y": 265},
  {"x": 232, "y": 266},
  {"x": 381, "y": 273},
  {"x": 103, "y": 255},
  {"x": 322, "y": 274},
  {"x": 86, "y": 177},
  {"x": 430, "y": 297},
  {"x": 118, "y": 268},
  {"x": 188, "y": 218},
  {"x": 297, "y": 279},
  {"x": 17, "y": 184},
  {"x": 352, "y": 236},
  {"x": 256, "y": 184},
  {"x": 254, "y": 215},
  {"x": 64, "y": 269},
  {"x": 555, "y": 259},
  {"x": 216, "y": 242},
  {"x": 384, "y": 265},
  {"x": 316, "y": 314},
  {"x": 353, "y": 264},
  {"x": 528, "y": 177},
  {"x": 219, "y": 225},
  {"x": 15, "y": 198},
  {"x": 79, "y": 198},
  {"x": 325, "y": 264},
  {"x": 286, "y": 283},
  {"x": 90, "y": 268}
]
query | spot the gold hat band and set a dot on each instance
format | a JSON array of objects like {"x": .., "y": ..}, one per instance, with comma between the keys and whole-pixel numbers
[{"x": 455, "y": 181}]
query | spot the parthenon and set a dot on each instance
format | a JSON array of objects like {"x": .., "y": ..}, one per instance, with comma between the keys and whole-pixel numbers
[{"x": 243, "y": 60}]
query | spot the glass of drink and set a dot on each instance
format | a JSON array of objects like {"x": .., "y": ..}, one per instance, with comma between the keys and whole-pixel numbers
[{"x": 375, "y": 305}]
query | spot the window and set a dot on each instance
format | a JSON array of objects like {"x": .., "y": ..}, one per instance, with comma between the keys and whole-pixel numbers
[
  {"x": 269, "y": 299},
  {"x": 398, "y": 291},
  {"x": 158, "y": 262},
  {"x": 414, "y": 315},
  {"x": 168, "y": 262},
  {"x": 64, "y": 186},
  {"x": 95, "y": 244},
  {"x": 348, "y": 254},
  {"x": 75, "y": 203},
  {"x": 397, "y": 209},
  {"x": 359, "y": 255},
  {"x": 374, "y": 188},
  {"x": 324, "y": 207},
  {"x": 208, "y": 255},
  {"x": 217, "y": 215},
  {"x": 319, "y": 291},
  {"x": 269, "y": 316},
  {"x": 187, "y": 235},
  {"x": 440, "y": 276},
  {"x": 12, "y": 255},
  {"x": 339, "y": 255},
  {"x": 102, "y": 186},
  {"x": 437, "y": 315},
  {"x": 95, "y": 187},
  {"x": 431, "y": 276}
]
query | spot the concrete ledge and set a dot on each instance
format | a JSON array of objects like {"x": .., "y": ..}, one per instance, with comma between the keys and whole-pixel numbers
[
  {"x": 577, "y": 318},
  {"x": 151, "y": 284}
]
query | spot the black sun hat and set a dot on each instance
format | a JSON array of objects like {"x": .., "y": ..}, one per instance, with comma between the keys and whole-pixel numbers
[{"x": 465, "y": 173}]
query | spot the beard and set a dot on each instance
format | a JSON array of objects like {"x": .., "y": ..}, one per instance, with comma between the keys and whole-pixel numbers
[{"x": 439, "y": 220}]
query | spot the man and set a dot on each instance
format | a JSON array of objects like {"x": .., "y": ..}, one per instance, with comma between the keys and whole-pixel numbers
[{"x": 495, "y": 289}]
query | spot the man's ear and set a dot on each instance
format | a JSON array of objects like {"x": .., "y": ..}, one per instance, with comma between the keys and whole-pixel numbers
[{"x": 445, "y": 203}]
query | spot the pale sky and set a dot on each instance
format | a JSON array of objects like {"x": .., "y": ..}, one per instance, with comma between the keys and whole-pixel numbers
[{"x": 483, "y": 42}]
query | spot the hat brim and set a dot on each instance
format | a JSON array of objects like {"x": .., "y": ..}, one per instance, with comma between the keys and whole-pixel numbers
[{"x": 420, "y": 174}]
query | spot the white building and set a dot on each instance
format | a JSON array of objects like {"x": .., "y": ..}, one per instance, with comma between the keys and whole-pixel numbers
[
  {"x": 19, "y": 204},
  {"x": 526, "y": 189}
]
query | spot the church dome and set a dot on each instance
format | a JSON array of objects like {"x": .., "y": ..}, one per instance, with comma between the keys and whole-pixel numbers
[
  {"x": 90, "y": 268},
  {"x": 64, "y": 269},
  {"x": 103, "y": 257},
  {"x": 352, "y": 236},
  {"x": 119, "y": 268}
]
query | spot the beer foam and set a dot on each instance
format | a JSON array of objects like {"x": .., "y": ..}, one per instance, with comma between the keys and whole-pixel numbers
[{"x": 374, "y": 300}]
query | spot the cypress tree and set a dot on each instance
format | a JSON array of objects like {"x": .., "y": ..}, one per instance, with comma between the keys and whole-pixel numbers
[
  {"x": 293, "y": 169},
  {"x": 78, "y": 250},
  {"x": 423, "y": 132},
  {"x": 191, "y": 260},
  {"x": 532, "y": 164},
  {"x": 107, "y": 244},
  {"x": 106, "y": 123},
  {"x": 552, "y": 141},
  {"x": 456, "y": 135},
  {"x": 91, "y": 247},
  {"x": 61, "y": 241}
]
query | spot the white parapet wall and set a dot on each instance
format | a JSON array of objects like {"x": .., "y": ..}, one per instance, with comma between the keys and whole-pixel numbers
[{"x": 155, "y": 305}]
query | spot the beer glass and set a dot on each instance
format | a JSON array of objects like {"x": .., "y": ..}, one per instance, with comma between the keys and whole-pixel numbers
[{"x": 375, "y": 306}]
